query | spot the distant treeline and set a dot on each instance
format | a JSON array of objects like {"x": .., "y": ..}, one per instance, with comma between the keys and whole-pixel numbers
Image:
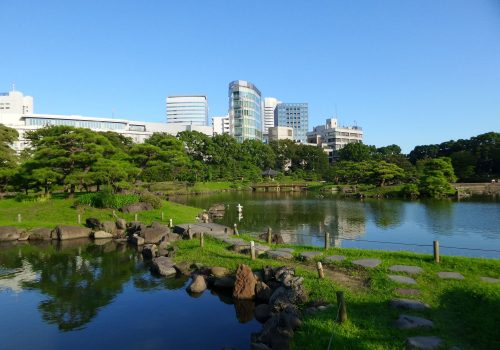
[{"x": 81, "y": 159}]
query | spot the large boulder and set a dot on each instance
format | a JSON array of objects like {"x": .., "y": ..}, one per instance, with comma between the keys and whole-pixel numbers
[
  {"x": 93, "y": 223},
  {"x": 40, "y": 234},
  {"x": 263, "y": 292},
  {"x": 149, "y": 251},
  {"x": 109, "y": 226},
  {"x": 154, "y": 235},
  {"x": 218, "y": 271},
  {"x": 135, "y": 227},
  {"x": 244, "y": 287},
  {"x": 198, "y": 285},
  {"x": 9, "y": 233},
  {"x": 136, "y": 207},
  {"x": 121, "y": 224},
  {"x": 71, "y": 232},
  {"x": 102, "y": 235},
  {"x": 137, "y": 240},
  {"x": 163, "y": 266}
]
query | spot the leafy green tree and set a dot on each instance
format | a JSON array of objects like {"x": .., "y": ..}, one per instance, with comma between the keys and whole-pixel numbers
[
  {"x": 435, "y": 177},
  {"x": 8, "y": 158},
  {"x": 356, "y": 152}
]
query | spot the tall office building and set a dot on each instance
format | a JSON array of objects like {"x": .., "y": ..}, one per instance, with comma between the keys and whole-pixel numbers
[
  {"x": 295, "y": 116},
  {"x": 12, "y": 104},
  {"x": 245, "y": 111},
  {"x": 187, "y": 110},
  {"x": 270, "y": 104}
]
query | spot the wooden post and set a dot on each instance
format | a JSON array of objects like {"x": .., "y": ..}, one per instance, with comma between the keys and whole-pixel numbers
[
  {"x": 162, "y": 216},
  {"x": 342, "y": 313},
  {"x": 189, "y": 232},
  {"x": 171, "y": 223},
  {"x": 114, "y": 214},
  {"x": 236, "y": 230},
  {"x": 252, "y": 249},
  {"x": 269, "y": 235},
  {"x": 436, "y": 251},
  {"x": 79, "y": 219},
  {"x": 327, "y": 240},
  {"x": 135, "y": 217},
  {"x": 18, "y": 217},
  {"x": 202, "y": 240},
  {"x": 321, "y": 273}
]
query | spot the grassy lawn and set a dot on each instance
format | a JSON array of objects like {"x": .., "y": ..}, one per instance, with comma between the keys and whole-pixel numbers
[
  {"x": 60, "y": 211},
  {"x": 466, "y": 313}
]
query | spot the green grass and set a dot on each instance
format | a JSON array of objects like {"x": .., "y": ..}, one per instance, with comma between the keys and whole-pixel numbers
[
  {"x": 58, "y": 211},
  {"x": 175, "y": 187},
  {"x": 466, "y": 313}
]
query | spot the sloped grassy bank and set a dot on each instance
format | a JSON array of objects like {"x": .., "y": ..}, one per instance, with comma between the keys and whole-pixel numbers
[{"x": 465, "y": 312}]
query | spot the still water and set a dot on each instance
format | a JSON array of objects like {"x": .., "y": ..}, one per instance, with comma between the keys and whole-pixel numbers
[
  {"x": 371, "y": 223},
  {"x": 79, "y": 295}
]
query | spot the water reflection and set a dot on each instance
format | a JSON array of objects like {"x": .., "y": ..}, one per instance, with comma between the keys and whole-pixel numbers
[
  {"x": 439, "y": 215},
  {"x": 386, "y": 213}
]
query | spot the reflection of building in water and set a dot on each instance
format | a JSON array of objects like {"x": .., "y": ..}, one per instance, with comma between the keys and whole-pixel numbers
[
  {"x": 14, "y": 279},
  {"x": 343, "y": 220}
]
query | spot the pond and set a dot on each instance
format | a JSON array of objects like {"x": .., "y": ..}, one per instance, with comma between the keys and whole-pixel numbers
[
  {"x": 79, "y": 295},
  {"x": 303, "y": 218}
]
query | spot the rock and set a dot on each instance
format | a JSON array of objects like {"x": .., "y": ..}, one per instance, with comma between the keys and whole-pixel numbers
[
  {"x": 283, "y": 296},
  {"x": 198, "y": 285},
  {"x": 163, "y": 266},
  {"x": 309, "y": 255},
  {"x": 119, "y": 234},
  {"x": 284, "y": 275},
  {"x": 259, "y": 346},
  {"x": 405, "y": 268},
  {"x": 490, "y": 279},
  {"x": 109, "y": 226},
  {"x": 275, "y": 238},
  {"x": 450, "y": 275},
  {"x": 71, "y": 232},
  {"x": 226, "y": 282},
  {"x": 149, "y": 251},
  {"x": 407, "y": 291},
  {"x": 218, "y": 271},
  {"x": 121, "y": 224},
  {"x": 9, "y": 233},
  {"x": 40, "y": 234},
  {"x": 24, "y": 236},
  {"x": 137, "y": 240},
  {"x": 262, "y": 313},
  {"x": 102, "y": 234},
  {"x": 408, "y": 304},
  {"x": 402, "y": 279},
  {"x": 370, "y": 263},
  {"x": 135, "y": 227},
  {"x": 334, "y": 258},
  {"x": 424, "y": 343},
  {"x": 93, "y": 223},
  {"x": 288, "y": 250},
  {"x": 410, "y": 322},
  {"x": 289, "y": 318},
  {"x": 244, "y": 287},
  {"x": 240, "y": 247},
  {"x": 259, "y": 276},
  {"x": 183, "y": 268},
  {"x": 154, "y": 234},
  {"x": 136, "y": 207},
  {"x": 276, "y": 254},
  {"x": 263, "y": 292}
]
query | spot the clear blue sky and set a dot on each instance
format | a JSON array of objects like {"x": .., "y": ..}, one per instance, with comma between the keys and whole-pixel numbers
[{"x": 409, "y": 72}]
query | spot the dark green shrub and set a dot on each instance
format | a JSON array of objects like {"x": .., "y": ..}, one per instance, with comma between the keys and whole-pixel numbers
[
  {"x": 106, "y": 199},
  {"x": 152, "y": 199}
]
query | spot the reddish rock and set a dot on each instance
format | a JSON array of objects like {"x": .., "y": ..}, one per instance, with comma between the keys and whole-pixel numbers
[{"x": 244, "y": 287}]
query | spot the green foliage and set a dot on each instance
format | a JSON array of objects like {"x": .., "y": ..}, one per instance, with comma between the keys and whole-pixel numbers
[
  {"x": 435, "y": 177},
  {"x": 106, "y": 199},
  {"x": 35, "y": 198},
  {"x": 152, "y": 199},
  {"x": 356, "y": 152},
  {"x": 411, "y": 191},
  {"x": 8, "y": 158}
]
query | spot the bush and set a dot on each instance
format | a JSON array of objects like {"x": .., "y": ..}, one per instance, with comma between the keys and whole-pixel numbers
[
  {"x": 152, "y": 199},
  {"x": 106, "y": 199},
  {"x": 21, "y": 197}
]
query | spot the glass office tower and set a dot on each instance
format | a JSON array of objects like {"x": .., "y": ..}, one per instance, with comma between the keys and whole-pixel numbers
[
  {"x": 245, "y": 111},
  {"x": 295, "y": 116}
]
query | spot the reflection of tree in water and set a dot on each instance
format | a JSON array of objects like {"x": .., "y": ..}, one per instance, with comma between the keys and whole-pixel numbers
[
  {"x": 439, "y": 215},
  {"x": 386, "y": 213},
  {"x": 77, "y": 285},
  {"x": 147, "y": 282}
]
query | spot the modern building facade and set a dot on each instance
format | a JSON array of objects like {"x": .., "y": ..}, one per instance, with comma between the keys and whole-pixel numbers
[
  {"x": 19, "y": 115},
  {"x": 335, "y": 137},
  {"x": 220, "y": 125},
  {"x": 245, "y": 111},
  {"x": 187, "y": 110},
  {"x": 270, "y": 104},
  {"x": 280, "y": 133},
  {"x": 295, "y": 116}
]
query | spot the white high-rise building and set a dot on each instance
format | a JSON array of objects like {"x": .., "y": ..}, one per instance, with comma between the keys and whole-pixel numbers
[
  {"x": 16, "y": 111},
  {"x": 187, "y": 110},
  {"x": 270, "y": 104},
  {"x": 220, "y": 125}
]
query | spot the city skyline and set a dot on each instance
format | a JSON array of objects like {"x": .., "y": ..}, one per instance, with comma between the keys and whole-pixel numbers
[{"x": 408, "y": 73}]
